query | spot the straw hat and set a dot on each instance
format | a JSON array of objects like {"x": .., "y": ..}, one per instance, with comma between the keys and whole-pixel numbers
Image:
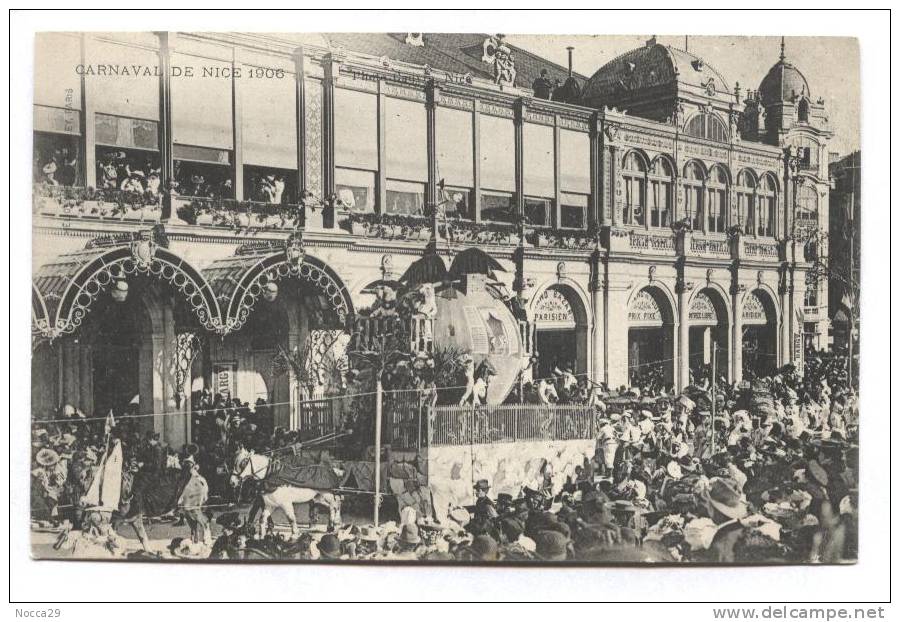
[
  {"x": 725, "y": 496},
  {"x": 46, "y": 457}
]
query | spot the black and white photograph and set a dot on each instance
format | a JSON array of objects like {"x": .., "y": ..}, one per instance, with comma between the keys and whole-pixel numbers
[
  {"x": 431, "y": 299},
  {"x": 434, "y": 297}
]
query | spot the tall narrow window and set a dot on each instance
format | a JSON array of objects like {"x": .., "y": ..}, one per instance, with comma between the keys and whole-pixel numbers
[
  {"x": 767, "y": 209},
  {"x": 634, "y": 176},
  {"x": 746, "y": 197},
  {"x": 355, "y": 149},
  {"x": 807, "y": 206},
  {"x": 57, "y": 106},
  {"x": 269, "y": 138},
  {"x": 574, "y": 178},
  {"x": 202, "y": 129},
  {"x": 406, "y": 167},
  {"x": 661, "y": 184},
  {"x": 539, "y": 182},
  {"x": 717, "y": 204},
  {"x": 455, "y": 161},
  {"x": 693, "y": 195},
  {"x": 498, "y": 168}
]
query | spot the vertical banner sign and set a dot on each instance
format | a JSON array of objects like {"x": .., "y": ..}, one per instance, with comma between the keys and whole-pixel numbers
[{"x": 224, "y": 378}]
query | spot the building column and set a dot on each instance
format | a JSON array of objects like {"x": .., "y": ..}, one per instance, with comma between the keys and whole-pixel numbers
[
  {"x": 614, "y": 184},
  {"x": 88, "y": 154},
  {"x": 598, "y": 324},
  {"x": 164, "y": 128},
  {"x": 237, "y": 127},
  {"x": 595, "y": 208},
  {"x": 617, "y": 333},
  {"x": 300, "y": 118},
  {"x": 86, "y": 379},
  {"x": 331, "y": 68},
  {"x": 432, "y": 198},
  {"x": 519, "y": 125},
  {"x": 737, "y": 337},
  {"x": 683, "y": 345}
]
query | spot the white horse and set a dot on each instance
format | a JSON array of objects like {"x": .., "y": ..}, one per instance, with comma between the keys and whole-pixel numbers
[{"x": 248, "y": 465}]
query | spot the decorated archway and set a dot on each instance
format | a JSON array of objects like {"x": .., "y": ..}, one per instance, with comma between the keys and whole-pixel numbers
[
  {"x": 71, "y": 284},
  {"x": 285, "y": 313},
  {"x": 560, "y": 330},
  {"x": 759, "y": 339},
  {"x": 257, "y": 269},
  {"x": 651, "y": 338},
  {"x": 707, "y": 318}
]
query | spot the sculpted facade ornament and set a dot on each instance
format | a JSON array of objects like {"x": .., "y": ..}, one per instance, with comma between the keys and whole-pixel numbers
[
  {"x": 612, "y": 132},
  {"x": 499, "y": 55},
  {"x": 143, "y": 252},
  {"x": 415, "y": 39}
]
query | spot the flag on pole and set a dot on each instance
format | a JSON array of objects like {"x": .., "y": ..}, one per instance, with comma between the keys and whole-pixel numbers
[{"x": 110, "y": 422}]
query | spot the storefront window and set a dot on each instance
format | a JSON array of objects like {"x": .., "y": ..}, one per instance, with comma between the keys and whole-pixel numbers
[
  {"x": 538, "y": 211},
  {"x": 404, "y": 197},
  {"x": 56, "y": 160},
  {"x": 498, "y": 207},
  {"x": 355, "y": 190},
  {"x": 573, "y": 210},
  {"x": 203, "y": 172},
  {"x": 270, "y": 185},
  {"x": 457, "y": 203}
]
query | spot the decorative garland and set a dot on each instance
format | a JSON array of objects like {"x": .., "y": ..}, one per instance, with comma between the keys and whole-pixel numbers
[
  {"x": 237, "y": 215},
  {"x": 102, "y": 202}
]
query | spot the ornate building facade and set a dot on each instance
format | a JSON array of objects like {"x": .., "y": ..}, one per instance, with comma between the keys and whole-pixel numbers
[{"x": 203, "y": 202}]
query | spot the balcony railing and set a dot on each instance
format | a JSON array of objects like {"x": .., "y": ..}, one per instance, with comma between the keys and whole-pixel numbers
[
  {"x": 508, "y": 423},
  {"x": 652, "y": 242},
  {"x": 710, "y": 246},
  {"x": 419, "y": 330},
  {"x": 754, "y": 249},
  {"x": 91, "y": 203}
]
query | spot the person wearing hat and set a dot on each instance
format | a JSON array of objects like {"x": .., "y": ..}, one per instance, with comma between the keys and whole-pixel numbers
[
  {"x": 551, "y": 546},
  {"x": 329, "y": 547},
  {"x": 48, "y": 483},
  {"x": 408, "y": 544},
  {"x": 607, "y": 445},
  {"x": 230, "y": 544},
  {"x": 134, "y": 182},
  {"x": 483, "y": 548},
  {"x": 367, "y": 542}
]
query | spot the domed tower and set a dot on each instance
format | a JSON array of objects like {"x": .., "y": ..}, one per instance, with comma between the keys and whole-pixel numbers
[
  {"x": 663, "y": 83},
  {"x": 783, "y": 102},
  {"x": 792, "y": 119}
]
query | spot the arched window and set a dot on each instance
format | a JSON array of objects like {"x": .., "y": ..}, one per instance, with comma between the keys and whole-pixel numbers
[
  {"x": 717, "y": 203},
  {"x": 767, "y": 207},
  {"x": 803, "y": 111},
  {"x": 635, "y": 178},
  {"x": 807, "y": 213},
  {"x": 708, "y": 126},
  {"x": 662, "y": 181},
  {"x": 746, "y": 197},
  {"x": 693, "y": 194}
]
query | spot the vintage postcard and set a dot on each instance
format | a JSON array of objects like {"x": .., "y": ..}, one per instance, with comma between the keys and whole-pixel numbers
[{"x": 445, "y": 298}]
